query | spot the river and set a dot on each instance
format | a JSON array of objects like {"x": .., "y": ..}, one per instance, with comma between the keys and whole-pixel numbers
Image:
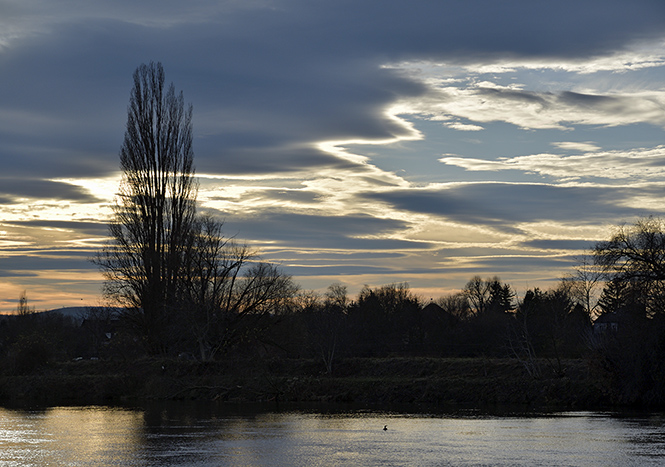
[{"x": 217, "y": 435}]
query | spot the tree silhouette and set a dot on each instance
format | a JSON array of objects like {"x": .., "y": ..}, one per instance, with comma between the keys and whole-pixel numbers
[
  {"x": 155, "y": 206},
  {"x": 23, "y": 308},
  {"x": 635, "y": 254}
]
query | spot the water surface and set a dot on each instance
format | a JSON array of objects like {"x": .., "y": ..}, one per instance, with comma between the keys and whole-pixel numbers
[{"x": 210, "y": 435}]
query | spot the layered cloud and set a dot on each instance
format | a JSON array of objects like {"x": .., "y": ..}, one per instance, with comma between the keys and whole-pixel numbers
[
  {"x": 488, "y": 102},
  {"x": 363, "y": 142},
  {"x": 637, "y": 165},
  {"x": 506, "y": 206},
  {"x": 267, "y": 78}
]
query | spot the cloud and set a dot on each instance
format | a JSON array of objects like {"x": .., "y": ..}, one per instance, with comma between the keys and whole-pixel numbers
[
  {"x": 463, "y": 126},
  {"x": 289, "y": 95},
  {"x": 318, "y": 231},
  {"x": 566, "y": 245},
  {"x": 632, "y": 56},
  {"x": 35, "y": 265},
  {"x": 17, "y": 189},
  {"x": 644, "y": 164},
  {"x": 82, "y": 227},
  {"x": 506, "y": 206},
  {"x": 540, "y": 110},
  {"x": 268, "y": 79},
  {"x": 577, "y": 146}
]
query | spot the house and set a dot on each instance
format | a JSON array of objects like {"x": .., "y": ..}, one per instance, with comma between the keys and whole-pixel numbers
[
  {"x": 606, "y": 323},
  {"x": 434, "y": 314}
]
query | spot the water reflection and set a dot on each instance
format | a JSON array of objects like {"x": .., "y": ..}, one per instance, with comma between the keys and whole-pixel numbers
[
  {"x": 210, "y": 435},
  {"x": 69, "y": 436}
]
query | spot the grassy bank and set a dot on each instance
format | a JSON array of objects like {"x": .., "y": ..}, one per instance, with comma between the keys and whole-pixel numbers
[{"x": 469, "y": 382}]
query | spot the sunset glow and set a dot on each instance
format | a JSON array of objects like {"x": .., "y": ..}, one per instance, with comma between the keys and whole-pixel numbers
[{"x": 365, "y": 143}]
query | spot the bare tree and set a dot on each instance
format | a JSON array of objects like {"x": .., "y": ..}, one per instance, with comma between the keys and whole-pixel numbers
[
  {"x": 584, "y": 282},
  {"x": 336, "y": 297},
  {"x": 488, "y": 295},
  {"x": 456, "y": 305},
  {"x": 329, "y": 324},
  {"x": 635, "y": 251},
  {"x": 635, "y": 254},
  {"x": 520, "y": 340},
  {"x": 477, "y": 293},
  {"x": 225, "y": 293},
  {"x": 155, "y": 206},
  {"x": 23, "y": 308}
]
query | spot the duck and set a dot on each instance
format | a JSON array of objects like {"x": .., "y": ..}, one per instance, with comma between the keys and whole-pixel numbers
[{"x": 385, "y": 427}]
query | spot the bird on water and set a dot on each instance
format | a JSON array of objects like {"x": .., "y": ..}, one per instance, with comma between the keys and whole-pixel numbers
[{"x": 385, "y": 427}]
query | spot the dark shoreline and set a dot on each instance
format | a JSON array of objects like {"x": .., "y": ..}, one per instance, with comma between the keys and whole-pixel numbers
[{"x": 363, "y": 382}]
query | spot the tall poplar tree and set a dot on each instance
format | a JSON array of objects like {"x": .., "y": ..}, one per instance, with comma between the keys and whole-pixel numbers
[{"x": 155, "y": 207}]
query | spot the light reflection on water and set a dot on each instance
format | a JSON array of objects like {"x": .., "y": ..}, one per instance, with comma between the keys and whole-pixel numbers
[{"x": 209, "y": 435}]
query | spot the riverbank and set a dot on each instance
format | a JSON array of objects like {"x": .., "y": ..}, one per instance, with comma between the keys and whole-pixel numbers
[{"x": 443, "y": 381}]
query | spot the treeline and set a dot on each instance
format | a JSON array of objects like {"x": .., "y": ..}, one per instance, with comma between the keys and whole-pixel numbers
[
  {"x": 621, "y": 333},
  {"x": 484, "y": 320}
]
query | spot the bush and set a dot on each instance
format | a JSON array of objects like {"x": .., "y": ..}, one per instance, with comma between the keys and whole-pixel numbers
[{"x": 29, "y": 353}]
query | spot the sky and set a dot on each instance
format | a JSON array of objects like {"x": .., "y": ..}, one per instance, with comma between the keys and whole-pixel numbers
[{"x": 353, "y": 142}]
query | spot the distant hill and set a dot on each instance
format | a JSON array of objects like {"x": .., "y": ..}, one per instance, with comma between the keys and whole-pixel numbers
[{"x": 81, "y": 313}]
